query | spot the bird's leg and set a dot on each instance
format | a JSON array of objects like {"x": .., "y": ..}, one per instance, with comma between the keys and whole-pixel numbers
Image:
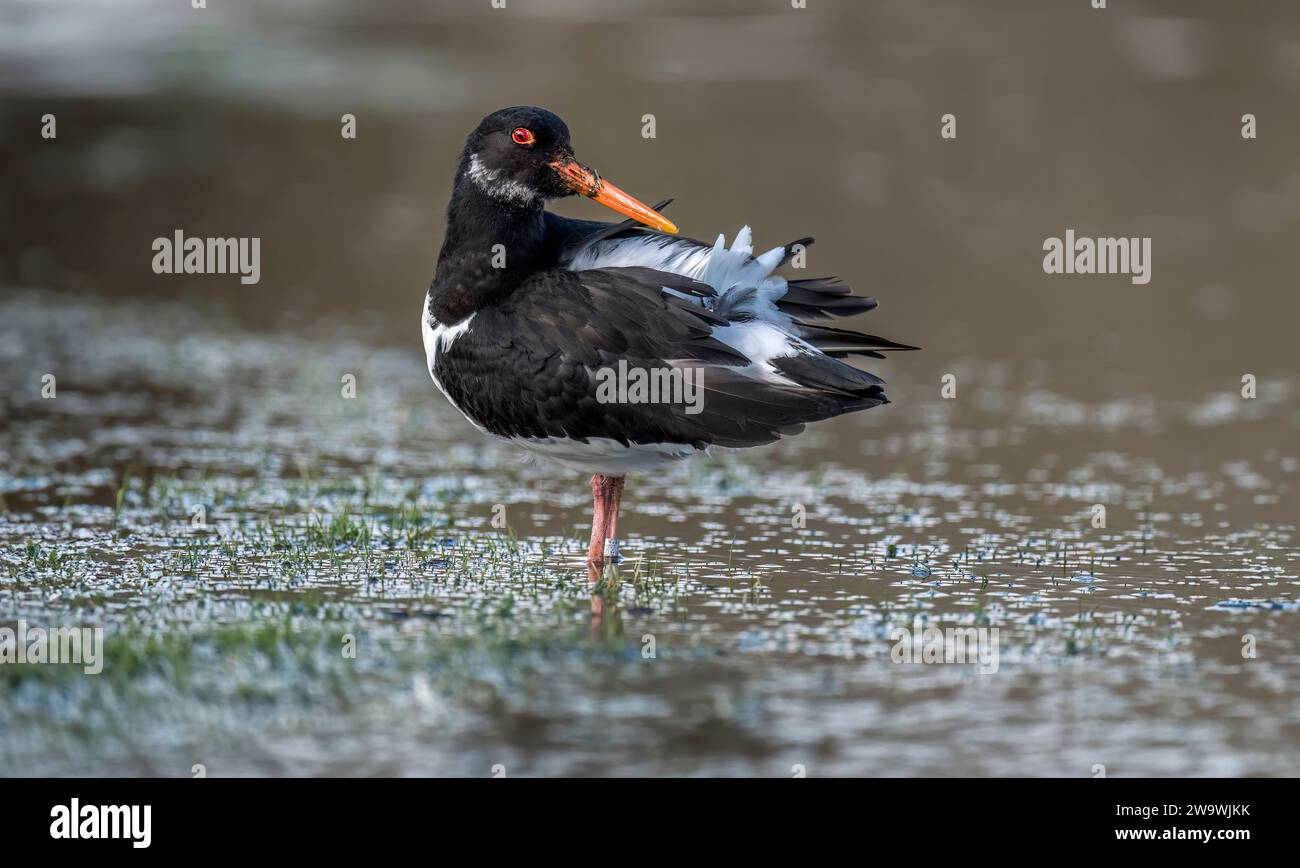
[
  {"x": 606, "y": 493},
  {"x": 600, "y": 494}
]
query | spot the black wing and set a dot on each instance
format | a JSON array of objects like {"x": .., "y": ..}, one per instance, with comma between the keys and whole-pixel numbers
[{"x": 527, "y": 366}]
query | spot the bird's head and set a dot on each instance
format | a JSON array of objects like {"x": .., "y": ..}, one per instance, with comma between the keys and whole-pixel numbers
[{"x": 522, "y": 156}]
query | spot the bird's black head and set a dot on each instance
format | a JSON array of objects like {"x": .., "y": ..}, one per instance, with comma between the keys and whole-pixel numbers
[
  {"x": 521, "y": 156},
  {"x": 509, "y": 155}
]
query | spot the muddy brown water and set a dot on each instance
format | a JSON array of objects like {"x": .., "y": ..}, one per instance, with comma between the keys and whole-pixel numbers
[{"x": 768, "y": 584}]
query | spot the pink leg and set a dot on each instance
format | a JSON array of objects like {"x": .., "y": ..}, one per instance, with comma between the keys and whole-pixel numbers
[{"x": 606, "y": 494}]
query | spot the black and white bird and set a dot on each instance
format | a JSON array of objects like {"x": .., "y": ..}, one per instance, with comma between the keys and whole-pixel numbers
[{"x": 529, "y": 314}]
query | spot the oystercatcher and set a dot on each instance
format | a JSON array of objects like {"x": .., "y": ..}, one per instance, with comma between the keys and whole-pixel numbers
[{"x": 534, "y": 323}]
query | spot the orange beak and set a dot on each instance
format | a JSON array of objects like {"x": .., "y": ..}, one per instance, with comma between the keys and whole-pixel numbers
[{"x": 585, "y": 182}]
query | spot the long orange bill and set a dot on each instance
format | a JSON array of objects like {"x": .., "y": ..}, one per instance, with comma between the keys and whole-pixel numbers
[{"x": 585, "y": 182}]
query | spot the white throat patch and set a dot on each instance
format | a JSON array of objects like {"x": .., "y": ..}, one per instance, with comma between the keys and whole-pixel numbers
[{"x": 491, "y": 182}]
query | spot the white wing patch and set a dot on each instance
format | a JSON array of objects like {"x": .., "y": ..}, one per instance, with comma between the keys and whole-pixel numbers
[
  {"x": 746, "y": 285},
  {"x": 662, "y": 253},
  {"x": 738, "y": 268}
]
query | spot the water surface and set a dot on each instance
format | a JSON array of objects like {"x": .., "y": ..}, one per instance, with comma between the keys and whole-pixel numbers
[{"x": 324, "y": 517}]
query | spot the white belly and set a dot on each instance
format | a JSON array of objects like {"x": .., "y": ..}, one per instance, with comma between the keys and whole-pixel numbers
[{"x": 603, "y": 455}]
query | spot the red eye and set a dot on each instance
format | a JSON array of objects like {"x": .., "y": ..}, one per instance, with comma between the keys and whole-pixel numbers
[{"x": 522, "y": 136}]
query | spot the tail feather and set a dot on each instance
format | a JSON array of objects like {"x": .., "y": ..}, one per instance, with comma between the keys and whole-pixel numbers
[
  {"x": 830, "y": 375},
  {"x": 796, "y": 246},
  {"x": 842, "y": 342},
  {"x": 821, "y": 297}
]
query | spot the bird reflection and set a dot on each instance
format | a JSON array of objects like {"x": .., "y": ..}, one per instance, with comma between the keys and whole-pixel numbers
[{"x": 606, "y": 618}]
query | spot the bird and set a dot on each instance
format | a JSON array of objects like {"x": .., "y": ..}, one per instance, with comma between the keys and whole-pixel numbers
[{"x": 534, "y": 324}]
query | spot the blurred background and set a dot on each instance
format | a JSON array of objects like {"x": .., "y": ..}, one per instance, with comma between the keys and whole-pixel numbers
[{"x": 821, "y": 121}]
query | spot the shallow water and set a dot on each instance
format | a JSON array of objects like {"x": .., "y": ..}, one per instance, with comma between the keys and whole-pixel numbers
[{"x": 477, "y": 646}]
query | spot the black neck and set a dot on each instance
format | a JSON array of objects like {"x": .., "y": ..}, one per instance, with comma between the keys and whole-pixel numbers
[{"x": 490, "y": 247}]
